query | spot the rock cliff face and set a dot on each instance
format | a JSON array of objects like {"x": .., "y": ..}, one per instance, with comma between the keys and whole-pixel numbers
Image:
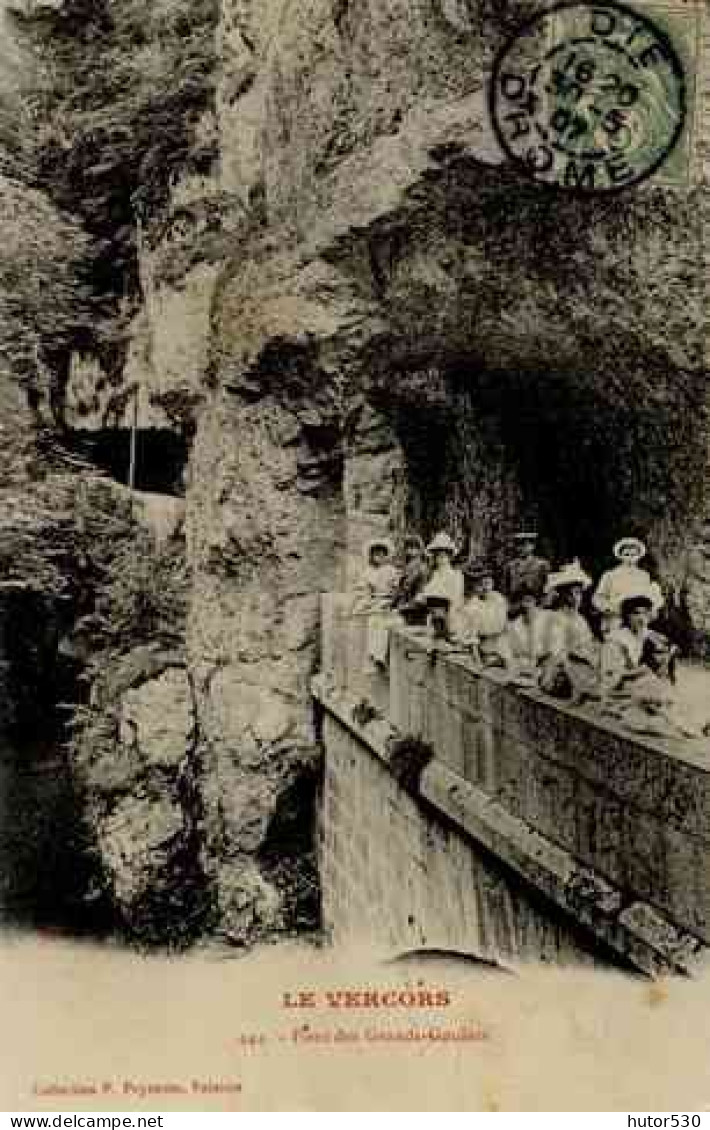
[
  {"x": 421, "y": 268},
  {"x": 137, "y": 767},
  {"x": 365, "y": 318},
  {"x": 414, "y": 333}
]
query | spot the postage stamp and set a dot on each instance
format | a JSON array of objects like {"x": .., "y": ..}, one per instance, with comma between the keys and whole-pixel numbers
[{"x": 590, "y": 97}]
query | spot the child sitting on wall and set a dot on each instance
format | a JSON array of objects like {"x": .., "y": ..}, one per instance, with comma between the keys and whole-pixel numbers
[{"x": 374, "y": 595}]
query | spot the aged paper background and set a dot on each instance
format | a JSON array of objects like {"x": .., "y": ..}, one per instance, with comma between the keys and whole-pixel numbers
[{"x": 557, "y": 1039}]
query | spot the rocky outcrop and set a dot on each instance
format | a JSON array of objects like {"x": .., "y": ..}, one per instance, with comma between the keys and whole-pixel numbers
[
  {"x": 456, "y": 296},
  {"x": 138, "y": 766},
  {"x": 265, "y": 526}
]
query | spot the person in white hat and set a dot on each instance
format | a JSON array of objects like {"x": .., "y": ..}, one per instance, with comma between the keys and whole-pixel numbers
[
  {"x": 379, "y": 575},
  {"x": 374, "y": 595},
  {"x": 625, "y": 579},
  {"x": 571, "y": 670},
  {"x": 445, "y": 582},
  {"x": 482, "y": 622}
]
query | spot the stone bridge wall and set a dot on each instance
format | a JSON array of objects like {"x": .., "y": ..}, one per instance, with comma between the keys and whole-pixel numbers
[
  {"x": 534, "y": 831},
  {"x": 397, "y": 875}
]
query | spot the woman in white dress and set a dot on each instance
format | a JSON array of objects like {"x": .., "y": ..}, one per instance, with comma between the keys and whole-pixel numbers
[
  {"x": 374, "y": 595},
  {"x": 443, "y": 592},
  {"x": 531, "y": 637},
  {"x": 444, "y": 580},
  {"x": 624, "y": 580},
  {"x": 638, "y": 673},
  {"x": 482, "y": 622},
  {"x": 572, "y": 669}
]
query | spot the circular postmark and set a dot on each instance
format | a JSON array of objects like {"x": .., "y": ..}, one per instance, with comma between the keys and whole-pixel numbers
[{"x": 589, "y": 96}]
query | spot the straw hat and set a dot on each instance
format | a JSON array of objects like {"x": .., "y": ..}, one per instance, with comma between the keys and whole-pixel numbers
[
  {"x": 630, "y": 543},
  {"x": 570, "y": 574},
  {"x": 442, "y": 542}
]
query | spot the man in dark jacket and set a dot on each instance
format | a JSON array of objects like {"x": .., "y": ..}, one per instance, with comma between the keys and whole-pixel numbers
[{"x": 526, "y": 570}]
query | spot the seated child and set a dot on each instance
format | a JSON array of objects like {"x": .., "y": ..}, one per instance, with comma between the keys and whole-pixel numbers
[{"x": 482, "y": 621}]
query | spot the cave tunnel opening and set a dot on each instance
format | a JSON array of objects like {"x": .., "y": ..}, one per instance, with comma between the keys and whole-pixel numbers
[
  {"x": 288, "y": 855},
  {"x": 48, "y": 875},
  {"x": 582, "y": 461},
  {"x": 160, "y": 456}
]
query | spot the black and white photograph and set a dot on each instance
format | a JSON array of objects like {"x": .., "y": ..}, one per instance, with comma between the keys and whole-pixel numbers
[{"x": 355, "y": 555}]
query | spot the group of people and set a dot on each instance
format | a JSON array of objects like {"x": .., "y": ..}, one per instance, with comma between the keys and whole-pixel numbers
[{"x": 549, "y": 629}]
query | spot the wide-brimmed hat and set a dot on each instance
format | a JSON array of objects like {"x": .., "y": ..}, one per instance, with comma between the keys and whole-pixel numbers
[
  {"x": 443, "y": 542},
  {"x": 629, "y": 543},
  {"x": 570, "y": 574},
  {"x": 635, "y": 601}
]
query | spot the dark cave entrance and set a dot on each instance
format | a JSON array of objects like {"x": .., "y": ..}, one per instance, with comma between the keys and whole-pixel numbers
[
  {"x": 583, "y": 461},
  {"x": 160, "y": 456},
  {"x": 288, "y": 854},
  {"x": 47, "y": 876},
  {"x": 50, "y": 872}
]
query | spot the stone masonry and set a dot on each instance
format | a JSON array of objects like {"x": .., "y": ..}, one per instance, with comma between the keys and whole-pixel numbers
[{"x": 534, "y": 830}]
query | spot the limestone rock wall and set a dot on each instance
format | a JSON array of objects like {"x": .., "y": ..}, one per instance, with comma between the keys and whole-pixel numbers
[
  {"x": 138, "y": 766},
  {"x": 311, "y": 87},
  {"x": 379, "y": 170},
  {"x": 266, "y": 529}
]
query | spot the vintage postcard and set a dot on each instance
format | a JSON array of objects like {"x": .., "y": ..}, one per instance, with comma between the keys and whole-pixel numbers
[{"x": 355, "y": 555}]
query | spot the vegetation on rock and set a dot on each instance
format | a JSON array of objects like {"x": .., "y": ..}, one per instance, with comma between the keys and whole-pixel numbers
[
  {"x": 114, "y": 107},
  {"x": 45, "y": 289}
]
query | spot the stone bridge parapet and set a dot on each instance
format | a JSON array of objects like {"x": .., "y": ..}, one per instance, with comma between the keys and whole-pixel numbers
[{"x": 527, "y": 830}]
